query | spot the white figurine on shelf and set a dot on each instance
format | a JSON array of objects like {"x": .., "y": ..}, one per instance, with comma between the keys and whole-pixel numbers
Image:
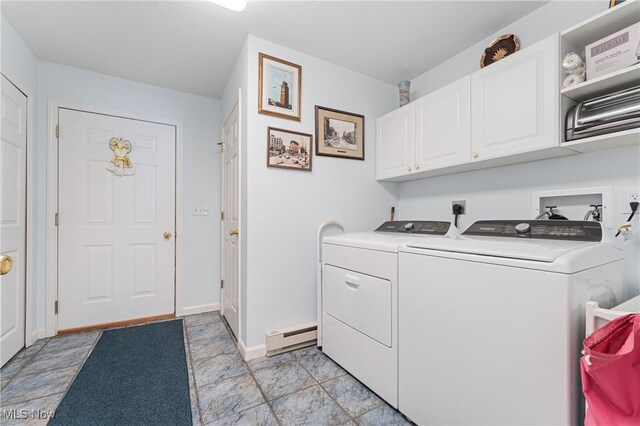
[{"x": 574, "y": 67}]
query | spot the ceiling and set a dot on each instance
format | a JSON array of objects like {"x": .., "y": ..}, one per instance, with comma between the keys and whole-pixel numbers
[{"x": 192, "y": 46}]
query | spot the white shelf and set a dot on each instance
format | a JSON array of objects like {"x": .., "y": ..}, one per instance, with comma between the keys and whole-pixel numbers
[
  {"x": 618, "y": 80},
  {"x": 575, "y": 39},
  {"x": 620, "y": 139},
  {"x": 602, "y": 24}
]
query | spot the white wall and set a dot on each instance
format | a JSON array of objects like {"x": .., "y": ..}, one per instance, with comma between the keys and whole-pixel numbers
[
  {"x": 542, "y": 22},
  {"x": 200, "y": 117},
  {"x": 505, "y": 192},
  {"x": 20, "y": 66},
  {"x": 285, "y": 207},
  {"x": 18, "y": 62}
]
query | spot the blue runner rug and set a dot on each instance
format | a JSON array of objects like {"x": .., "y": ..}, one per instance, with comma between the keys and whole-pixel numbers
[{"x": 134, "y": 376}]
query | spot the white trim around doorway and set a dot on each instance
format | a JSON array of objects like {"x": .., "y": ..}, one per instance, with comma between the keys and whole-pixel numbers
[{"x": 51, "y": 249}]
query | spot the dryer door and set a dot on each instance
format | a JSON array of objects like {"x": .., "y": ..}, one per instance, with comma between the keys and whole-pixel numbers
[{"x": 360, "y": 301}]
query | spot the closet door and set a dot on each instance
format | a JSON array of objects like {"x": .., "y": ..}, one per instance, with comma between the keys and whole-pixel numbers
[
  {"x": 515, "y": 103},
  {"x": 443, "y": 122},
  {"x": 395, "y": 144},
  {"x": 13, "y": 227}
]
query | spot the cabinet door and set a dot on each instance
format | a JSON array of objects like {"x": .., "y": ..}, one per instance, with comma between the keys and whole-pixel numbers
[
  {"x": 394, "y": 143},
  {"x": 443, "y": 122},
  {"x": 515, "y": 103}
]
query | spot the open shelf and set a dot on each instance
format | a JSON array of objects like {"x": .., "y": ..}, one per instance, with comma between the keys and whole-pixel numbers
[
  {"x": 620, "y": 139},
  {"x": 617, "y": 80},
  {"x": 575, "y": 39},
  {"x": 602, "y": 24}
]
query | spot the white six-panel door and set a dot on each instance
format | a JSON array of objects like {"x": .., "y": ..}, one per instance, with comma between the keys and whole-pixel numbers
[
  {"x": 230, "y": 222},
  {"x": 13, "y": 164},
  {"x": 116, "y": 255}
]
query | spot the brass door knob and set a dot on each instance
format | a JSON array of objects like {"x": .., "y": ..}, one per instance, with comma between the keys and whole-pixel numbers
[
  {"x": 234, "y": 232},
  {"x": 408, "y": 168},
  {"x": 167, "y": 235},
  {"x": 6, "y": 263},
  {"x": 475, "y": 155},
  {"x": 417, "y": 167}
]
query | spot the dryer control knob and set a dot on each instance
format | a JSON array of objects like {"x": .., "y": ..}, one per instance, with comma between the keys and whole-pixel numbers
[
  {"x": 523, "y": 228},
  {"x": 408, "y": 226}
]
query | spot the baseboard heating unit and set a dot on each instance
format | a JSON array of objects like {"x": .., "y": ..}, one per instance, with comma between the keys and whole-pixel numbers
[{"x": 290, "y": 338}]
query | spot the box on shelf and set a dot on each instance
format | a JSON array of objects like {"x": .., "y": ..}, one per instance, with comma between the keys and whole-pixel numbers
[{"x": 613, "y": 53}]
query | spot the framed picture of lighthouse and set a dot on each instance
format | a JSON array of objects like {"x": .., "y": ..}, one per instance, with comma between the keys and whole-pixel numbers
[{"x": 279, "y": 87}]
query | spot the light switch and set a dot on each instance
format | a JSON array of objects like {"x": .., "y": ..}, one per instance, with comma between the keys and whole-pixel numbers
[
  {"x": 204, "y": 211},
  {"x": 197, "y": 211}
]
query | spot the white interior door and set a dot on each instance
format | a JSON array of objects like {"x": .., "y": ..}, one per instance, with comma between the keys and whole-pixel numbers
[
  {"x": 230, "y": 211},
  {"x": 116, "y": 248},
  {"x": 13, "y": 168}
]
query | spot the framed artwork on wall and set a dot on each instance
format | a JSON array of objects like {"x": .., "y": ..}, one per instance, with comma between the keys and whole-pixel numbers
[
  {"x": 287, "y": 149},
  {"x": 279, "y": 87},
  {"x": 339, "y": 133}
]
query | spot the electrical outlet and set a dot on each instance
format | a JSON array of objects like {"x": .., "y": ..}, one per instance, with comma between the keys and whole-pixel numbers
[
  {"x": 634, "y": 197},
  {"x": 463, "y": 203}
]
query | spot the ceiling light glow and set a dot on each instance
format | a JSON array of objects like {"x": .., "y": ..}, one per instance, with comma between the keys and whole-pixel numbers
[{"x": 235, "y": 5}]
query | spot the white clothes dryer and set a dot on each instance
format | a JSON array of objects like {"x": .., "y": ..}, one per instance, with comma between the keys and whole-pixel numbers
[{"x": 360, "y": 300}]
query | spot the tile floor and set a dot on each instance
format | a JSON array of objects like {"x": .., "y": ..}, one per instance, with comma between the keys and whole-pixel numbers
[{"x": 303, "y": 387}]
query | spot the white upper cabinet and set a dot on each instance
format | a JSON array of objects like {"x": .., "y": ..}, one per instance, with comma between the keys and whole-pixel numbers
[
  {"x": 506, "y": 113},
  {"x": 443, "y": 122},
  {"x": 395, "y": 143},
  {"x": 514, "y": 103}
]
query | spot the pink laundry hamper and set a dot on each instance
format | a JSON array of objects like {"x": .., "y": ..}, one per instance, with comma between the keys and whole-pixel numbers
[{"x": 611, "y": 373}]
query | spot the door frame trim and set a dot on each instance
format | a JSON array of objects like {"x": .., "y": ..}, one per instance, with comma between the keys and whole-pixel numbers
[
  {"x": 31, "y": 333},
  {"x": 238, "y": 104},
  {"x": 51, "y": 246}
]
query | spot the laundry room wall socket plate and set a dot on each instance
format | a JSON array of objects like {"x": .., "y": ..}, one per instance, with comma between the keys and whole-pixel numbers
[
  {"x": 463, "y": 203},
  {"x": 574, "y": 203}
]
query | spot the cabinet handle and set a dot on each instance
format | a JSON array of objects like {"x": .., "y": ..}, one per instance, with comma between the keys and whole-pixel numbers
[
  {"x": 417, "y": 167},
  {"x": 408, "y": 168},
  {"x": 475, "y": 155}
]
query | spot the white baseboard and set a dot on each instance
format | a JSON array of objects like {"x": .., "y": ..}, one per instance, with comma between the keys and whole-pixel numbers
[
  {"x": 253, "y": 352},
  {"x": 199, "y": 309},
  {"x": 37, "y": 334}
]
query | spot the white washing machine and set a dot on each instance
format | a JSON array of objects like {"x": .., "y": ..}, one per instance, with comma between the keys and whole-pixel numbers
[
  {"x": 360, "y": 300},
  {"x": 492, "y": 321}
]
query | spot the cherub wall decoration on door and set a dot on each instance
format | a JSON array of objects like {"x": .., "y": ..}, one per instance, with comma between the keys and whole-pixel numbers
[{"x": 121, "y": 163}]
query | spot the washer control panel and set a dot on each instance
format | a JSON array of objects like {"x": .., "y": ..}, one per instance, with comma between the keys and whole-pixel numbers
[
  {"x": 415, "y": 227},
  {"x": 568, "y": 230}
]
